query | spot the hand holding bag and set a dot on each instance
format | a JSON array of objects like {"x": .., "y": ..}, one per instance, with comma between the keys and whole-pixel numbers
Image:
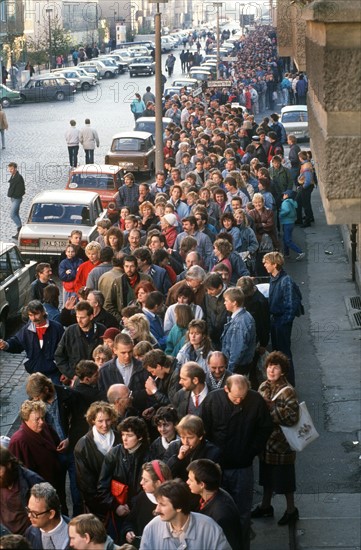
[
  {"x": 119, "y": 491},
  {"x": 303, "y": 432}
]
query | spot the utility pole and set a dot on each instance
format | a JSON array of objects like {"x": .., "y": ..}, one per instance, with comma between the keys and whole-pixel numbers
[
  {"x": 49, "y": 11},
  {"x": 218, "y": 5},
  {"x": 159, "y": 158}
]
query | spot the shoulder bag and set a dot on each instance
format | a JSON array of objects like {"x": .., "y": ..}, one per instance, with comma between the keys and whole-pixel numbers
[{"x": 303, "y": 432}]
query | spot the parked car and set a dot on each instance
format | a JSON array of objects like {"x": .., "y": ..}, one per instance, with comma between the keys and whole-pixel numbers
[
  {"x": 295, "y": 120},
  {"x": 53, "y": 215},
  {"x": 103, "y": 70},
  {"x": 133, "y": 151},
  {"x": 142, "y": 65},
  {"x": 9, "y": 97},
  {"x": 184, "y": 82},
  {"x": 85, "y": 81},
  {"x": 89, "y": 69},
  {"x": 16, "y": 275},
  {"x": 167, "y": 44},
  {"x": 147, "y": 124},
  {"x": 200, "y": 74},
  {"x": 47, "y": 88},
  {"x": 104, "y": 179}
]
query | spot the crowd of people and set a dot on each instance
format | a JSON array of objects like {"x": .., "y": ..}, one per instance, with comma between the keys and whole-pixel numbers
[{"x": 158, "y": 382}]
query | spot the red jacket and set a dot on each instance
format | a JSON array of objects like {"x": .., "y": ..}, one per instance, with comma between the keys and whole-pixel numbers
[{"x": 82, "y": 274}]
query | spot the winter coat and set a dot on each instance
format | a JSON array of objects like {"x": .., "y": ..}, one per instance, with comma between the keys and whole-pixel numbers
[
  {"x": 17, "y": 186},
  {"x": 249, "y": 240},
  {"x": 184, "y": 355},
  {"x": 170, "y": 236},
  {"x": 205, "y": 449},
  {"x": 88, "y": 465},
  {"x": 72, "y": 137},
  {"x": 37, "y": 451},
  {"x": 89, "y": 138},
  {"x": 75, "y": 345},
  {"x": 69, "y": 278},
  {"x": 202, "y": 533},
  {"x": 124, "y": 467},
  {"x": 240, "y": 431},
  {"x": 283, "y": 307},
  {"x": 38, "y": 359},
  {"x": 264, "y": 223},
  {"x": 288, "y": 212},
  {"x": 175, "y": 340},
  {"x": 239, "y": 339},
  {"x": 285, "y": 412},
  {"x": 3, "y": 121},
  {"x": 223, "y": 510},
  {"x": 82, "y": 274}
]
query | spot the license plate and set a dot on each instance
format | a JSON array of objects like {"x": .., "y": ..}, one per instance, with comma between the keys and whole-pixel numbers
[
  {"x": 126, "y": 165},
  {"x": 53, "y": 243}
]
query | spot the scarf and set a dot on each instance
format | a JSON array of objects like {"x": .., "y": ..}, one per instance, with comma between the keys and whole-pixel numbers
[
  {"x": 40, "y": 331},
  {"x": 103, "y": 442}
]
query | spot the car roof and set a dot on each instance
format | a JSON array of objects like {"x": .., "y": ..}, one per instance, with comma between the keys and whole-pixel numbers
[
  {"x": 96, "y": 168},
  {"x": 290, "y": 108},
  {"x": 152, "y": 119},
  {"x": 135, "y": 134},
  {"x": 62, "y": 196}
]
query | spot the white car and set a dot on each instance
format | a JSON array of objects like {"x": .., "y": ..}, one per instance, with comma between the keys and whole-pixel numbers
[
  {"x": 52, "y": 217},
  {"x": 295, "y": 120},
  {"x": 85, "y": 82}
]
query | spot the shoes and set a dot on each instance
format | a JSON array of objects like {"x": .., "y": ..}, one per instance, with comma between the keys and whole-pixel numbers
[
  {"x": 289, "y": 518},
  {"x": 306, "y": 224},
  {"x": 298, "y": 222},
  {"x": 300, "y": 256},
  {"x": 259, "y": 512}
]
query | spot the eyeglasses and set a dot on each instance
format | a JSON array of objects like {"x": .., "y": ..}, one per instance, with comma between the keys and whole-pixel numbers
[
  {"x": 35, "y": 514},
  {"x": 123, "y": 398}
]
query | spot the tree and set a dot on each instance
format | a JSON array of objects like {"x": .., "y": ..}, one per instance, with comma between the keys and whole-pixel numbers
[{"x": 38, "y": 48}]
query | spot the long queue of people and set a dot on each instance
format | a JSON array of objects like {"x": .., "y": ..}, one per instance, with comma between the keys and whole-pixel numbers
[{"x": 157, "y": 383}]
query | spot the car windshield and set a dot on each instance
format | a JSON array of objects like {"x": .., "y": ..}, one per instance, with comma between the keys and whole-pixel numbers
[
  {"x": 68, "y": 214},
  {"x": 91, "y": 181},
  {"x": 128, "y": 144},
  {"x": 295, "y": 116}
]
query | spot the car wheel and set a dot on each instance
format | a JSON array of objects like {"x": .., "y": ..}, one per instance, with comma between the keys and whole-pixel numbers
[
  {"x": 22, "y": 98},
  {"x": 108, "y": 74},
  {"x": 131, "y": 74},
  {"x": 60, "y": 96},
  {"x": 3, "y": 326},
  {"x": 5, "y": 102},
  {"x": 85, "y": 86}
]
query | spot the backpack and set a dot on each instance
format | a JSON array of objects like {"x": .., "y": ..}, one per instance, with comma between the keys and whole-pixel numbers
[{"x": 297, "y": 298}]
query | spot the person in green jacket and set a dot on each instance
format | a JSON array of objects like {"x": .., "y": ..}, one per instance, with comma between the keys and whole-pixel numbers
[{"x": 288, "y": 215}]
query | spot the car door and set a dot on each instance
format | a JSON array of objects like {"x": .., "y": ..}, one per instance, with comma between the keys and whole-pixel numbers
[
  {"x": 22, "y": 274},
  {"x": 9, "y": 283}
]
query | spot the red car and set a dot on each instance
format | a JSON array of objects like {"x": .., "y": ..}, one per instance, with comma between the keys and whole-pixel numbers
[{"x": 104, "y": 179}]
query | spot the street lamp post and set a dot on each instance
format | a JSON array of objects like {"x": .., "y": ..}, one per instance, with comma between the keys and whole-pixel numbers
[
  {"x": 159, "y": 158},
  {"x": 49, "y": 11},
  {"x": 217, "y": 5}
]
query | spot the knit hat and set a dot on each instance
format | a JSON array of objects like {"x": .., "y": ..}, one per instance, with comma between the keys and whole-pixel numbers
[
  {"x": 111, "y": 333},
  {"x": 289, "y": 193},
  {"x": 171, "y": 219}
]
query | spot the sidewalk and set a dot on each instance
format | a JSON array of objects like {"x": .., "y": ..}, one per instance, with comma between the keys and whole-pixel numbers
[{"x": 327, "y": 355}]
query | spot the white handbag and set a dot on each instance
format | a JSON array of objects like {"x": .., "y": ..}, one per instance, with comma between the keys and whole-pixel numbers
[{"x": 303, "y": 432}]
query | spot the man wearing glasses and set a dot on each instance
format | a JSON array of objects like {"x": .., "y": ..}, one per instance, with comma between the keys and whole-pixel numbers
[
  {"x": 49, "y": 529},
  {"x": 121, "y": 397}
]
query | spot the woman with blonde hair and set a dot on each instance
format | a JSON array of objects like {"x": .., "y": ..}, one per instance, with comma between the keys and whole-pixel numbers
[
  {"x": 138, "y": 329},
  {"x": 92, "y": 250},
  {"x": 149, "y": 217}
]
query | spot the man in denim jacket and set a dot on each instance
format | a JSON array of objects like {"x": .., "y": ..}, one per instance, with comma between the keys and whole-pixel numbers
[{"x": 239, "y": 334}]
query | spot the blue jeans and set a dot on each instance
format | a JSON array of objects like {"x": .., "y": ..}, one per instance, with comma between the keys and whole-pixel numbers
[
  {"x": 14, "y": 211},
  {"x": 68, "y": 465},
  {"x": 287, "y": 239},
  {"x": 239, "y": 484}
]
